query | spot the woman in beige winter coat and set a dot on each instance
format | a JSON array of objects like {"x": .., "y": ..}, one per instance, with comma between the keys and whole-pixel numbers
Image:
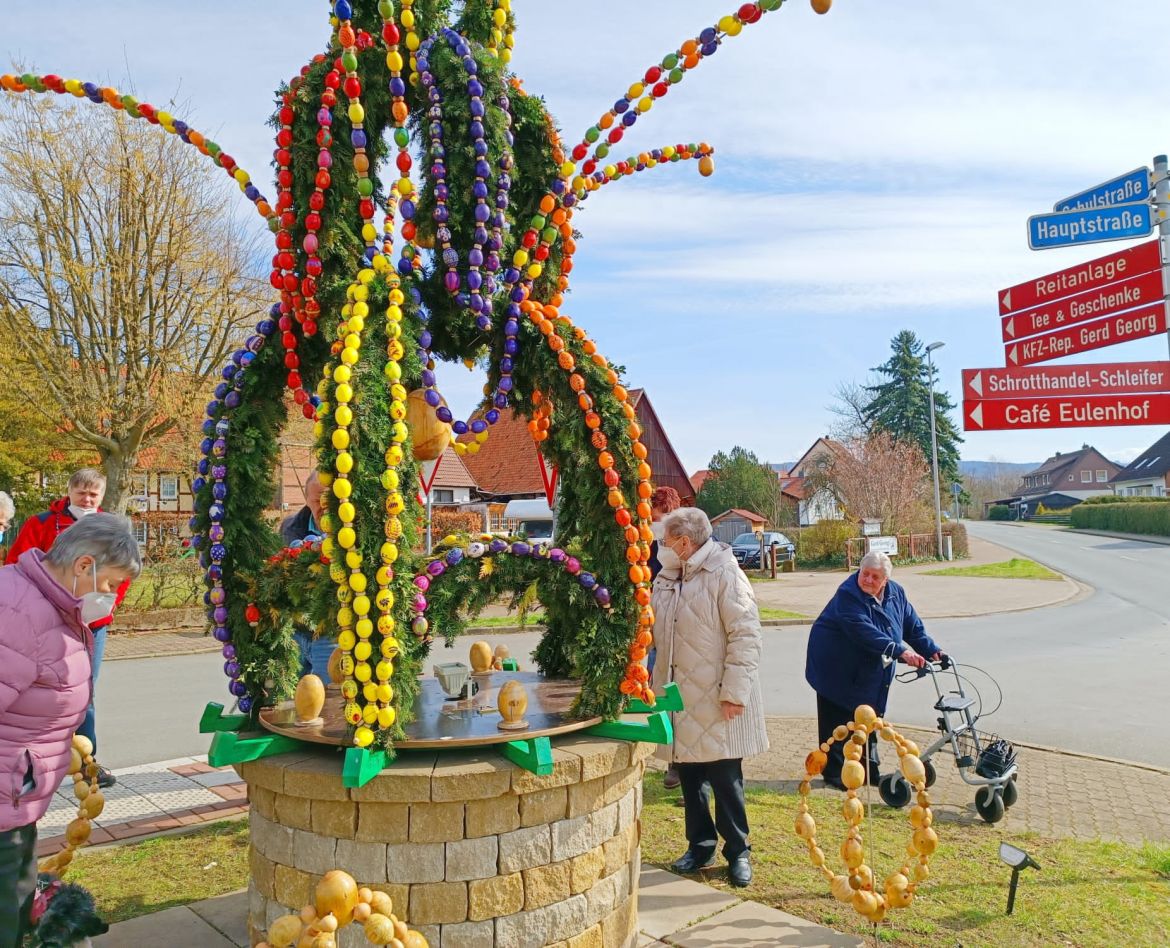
[{"x": 707, "y": 631}]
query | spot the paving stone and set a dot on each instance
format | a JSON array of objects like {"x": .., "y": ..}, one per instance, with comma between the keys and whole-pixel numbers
[
  {"x": 227, "y": 914},
  {"x": 566, "y": 771},
  {"x": 366, "y": 862},
  {"x": 499, "y": 895},
  {"x": 586, "y": 869},
  {"x": 383, "y": 822},
  {"x": 472, "y": 858},
  {"x": 467, "y": 775},
  {"x": 544, "y": 806},
  {"x": 436, "y": 822},
  {"x": 296, "y": 812},
  {"x": 669, "y": 903},
  {"x": 434, "y": 903},
  {"x": 336, "y": 818},
  {"x": 492, "y": 816},
  {"x": 415, "y": 862},
  {"x": 544, "y": 885},
  {"x": 177, "y": 927},
  {"x": 468, "y": 934},
  {"x": 752, "y": 925},
  {"x": 523, "y": 930},
  {"x": 525, "y": 848},
  {"x": 567, "y": 918},
  {"x": 313, "y": 853},
  {"x": 407, "y": 780}
]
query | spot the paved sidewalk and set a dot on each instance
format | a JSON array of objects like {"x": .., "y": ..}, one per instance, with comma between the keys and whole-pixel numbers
[
  {"x": 148, "y": 799},
  {"x": 1062, "y": 794},
  {"x": 671, "y": 911}
]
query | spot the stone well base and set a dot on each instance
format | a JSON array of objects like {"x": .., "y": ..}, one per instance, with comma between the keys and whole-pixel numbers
[{"x": 474, "y": 850}]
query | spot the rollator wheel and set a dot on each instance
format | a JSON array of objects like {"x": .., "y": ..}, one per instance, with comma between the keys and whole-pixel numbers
[
  {"x": 1011, "y": 793},
  {"x": 895, "y": 790},
  {"x": 931, "y": 773},
  {"x": 989, "y": 804}
]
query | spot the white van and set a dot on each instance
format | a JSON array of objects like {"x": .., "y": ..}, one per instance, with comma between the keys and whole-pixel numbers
[{"x": 535, "y": 519}]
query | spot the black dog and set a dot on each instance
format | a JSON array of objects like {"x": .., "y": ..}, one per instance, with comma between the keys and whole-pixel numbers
[{"x": 63, "y": 915}]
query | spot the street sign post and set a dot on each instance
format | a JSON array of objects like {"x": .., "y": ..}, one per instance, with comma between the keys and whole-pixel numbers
[
  {"x": 1004, "y": 414},
  {"x": 1090, "y": 226},
  {"x": 1132, "y": 324},
  {"x": 1131, "y": 186},
  {"x": 1093, "y": 304},
  {"x": 1084, "y": 276},
  {"x": 1046, "y": 380}
]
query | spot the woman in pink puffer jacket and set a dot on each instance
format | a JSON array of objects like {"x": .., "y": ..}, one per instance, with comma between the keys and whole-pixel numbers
[{"x": 45, "y": 646}]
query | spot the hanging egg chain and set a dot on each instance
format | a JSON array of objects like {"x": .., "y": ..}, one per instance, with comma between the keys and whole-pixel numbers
[
  {"x": 351, "y": 41},
  {"x": 131, "y": 106},
  {"x": 502, "y": 38},
  {"x": 657, "y": 80},
  {"x": 647, "y": 160}
]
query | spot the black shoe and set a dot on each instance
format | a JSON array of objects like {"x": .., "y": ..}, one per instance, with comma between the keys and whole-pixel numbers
[
  {"x": 691, "y": 861},
  {"x": 834, "y": 782},
  {"x": 105, "y": 778},
  {"x": 671, "y": 779},
  {"x": 739, "y": 871}
]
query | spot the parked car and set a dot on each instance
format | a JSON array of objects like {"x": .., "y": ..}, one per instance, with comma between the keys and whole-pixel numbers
[{"x": 746, "y": 548}]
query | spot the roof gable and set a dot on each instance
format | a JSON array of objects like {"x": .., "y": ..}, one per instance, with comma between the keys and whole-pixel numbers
[
  {"x": 740, "y": 512},
  {"x": 1153, "y": 462}
]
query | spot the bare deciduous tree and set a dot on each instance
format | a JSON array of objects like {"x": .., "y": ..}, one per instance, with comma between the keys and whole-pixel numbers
[
  {"x": 126, "y": 273},
  {"x": 881, "y": 478}
]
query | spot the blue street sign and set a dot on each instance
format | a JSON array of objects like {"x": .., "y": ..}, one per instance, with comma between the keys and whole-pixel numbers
[
  {"x": 956, "y": 488},
  {"x": 1090, "y": 226},
  {"x": 1124, "y": 189}
]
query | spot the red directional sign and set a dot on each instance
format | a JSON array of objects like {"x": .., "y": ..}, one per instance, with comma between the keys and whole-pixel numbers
[
  {"x": 1094, "y": 411},
  {"x": 1090, "y": 305},
  {"x": 1110, "y": 378},
  {"x": 1084, "y": 276},
  {"x": 1134, "y": 324}
]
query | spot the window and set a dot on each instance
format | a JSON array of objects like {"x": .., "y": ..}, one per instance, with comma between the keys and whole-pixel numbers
[
  {"x": 1086, "y": 477},
  {"x": 140, "y": 484},
  {"x": 168, "y": 487},
  {"x": 1102, "y": 477},
  {"x": 1070, "y": 477},
  {"x": 140, "y": 532},
  {"x": 443, "y": 496}
]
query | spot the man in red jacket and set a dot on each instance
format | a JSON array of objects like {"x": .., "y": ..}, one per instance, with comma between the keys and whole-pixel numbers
[{"x": 87, "y": 487}]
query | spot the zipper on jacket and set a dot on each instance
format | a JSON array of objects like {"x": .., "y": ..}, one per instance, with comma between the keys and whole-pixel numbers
[{"x": 18, "y": 785}]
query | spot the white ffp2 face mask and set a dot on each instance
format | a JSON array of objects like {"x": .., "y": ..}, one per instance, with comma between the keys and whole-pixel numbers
[
  {"x": 668, "y": 558},
  {"x": 95, "y": 605},
  {"x": 79, "y": 512}
]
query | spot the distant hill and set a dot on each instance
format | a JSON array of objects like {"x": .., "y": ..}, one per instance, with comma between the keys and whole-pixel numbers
[{"x": 992, "y": 468}]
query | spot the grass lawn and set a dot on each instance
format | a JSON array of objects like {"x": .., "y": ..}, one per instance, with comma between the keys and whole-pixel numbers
[
  {"x": 1085, "y": 894},
  {"x": 165, "y": 586},
  {"x": 505, "y": 622},
  {"x": 1010, "y": 569},
  {"x": 767, "y": 612},
  {"x": 160, "y": 873}
]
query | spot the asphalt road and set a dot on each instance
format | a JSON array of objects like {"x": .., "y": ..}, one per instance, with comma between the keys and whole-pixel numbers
[{"x": 1089, "y": 676}]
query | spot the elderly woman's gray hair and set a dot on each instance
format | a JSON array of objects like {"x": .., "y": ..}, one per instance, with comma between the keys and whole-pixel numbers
[
  {"x": 7, "y": 508},
  {"x": 875, "y": 559},
  {"x": 107, "y": 537},
  {"x": 689, "y": 522}
]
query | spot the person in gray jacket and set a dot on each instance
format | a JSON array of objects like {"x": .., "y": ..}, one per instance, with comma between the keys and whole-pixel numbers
[{"x": 707, "y": 631}]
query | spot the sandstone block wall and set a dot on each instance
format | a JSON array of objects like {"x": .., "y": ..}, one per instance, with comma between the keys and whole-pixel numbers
[{"x": 474, "y": 851}]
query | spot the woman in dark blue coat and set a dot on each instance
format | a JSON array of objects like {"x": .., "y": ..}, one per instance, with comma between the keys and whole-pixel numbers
[{"x": 867, "y": 626}]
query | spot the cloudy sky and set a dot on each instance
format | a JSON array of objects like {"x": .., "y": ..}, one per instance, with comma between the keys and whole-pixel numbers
[{"x": 875, "y": 168}]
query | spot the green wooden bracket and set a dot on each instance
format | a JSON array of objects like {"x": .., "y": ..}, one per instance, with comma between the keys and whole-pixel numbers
[
  {"x": 534, "y": 754},
  {"x": 510, "y": 665},
  {"x": 669, "y": 700},
  {"x": 363, "y": 764},
  {"x": 656, "y": 730},
  {"x": 214, "y": 719},
  {"x": 230, "y": 747}
]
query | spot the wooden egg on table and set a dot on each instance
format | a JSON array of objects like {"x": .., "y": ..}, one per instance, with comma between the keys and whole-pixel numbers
[
  {"x": 513, "y": 702},
  {"x": 481, "y": 658},
  {"x": 429, "y": 436},
  {"x": 309, "y": 700}
]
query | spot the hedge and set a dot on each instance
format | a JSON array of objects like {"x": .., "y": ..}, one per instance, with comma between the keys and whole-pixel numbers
[
  {"x": 999, "y": 512},
  {"x": 1119, "y": 499},
  {"x": 1124, "y": 517}
]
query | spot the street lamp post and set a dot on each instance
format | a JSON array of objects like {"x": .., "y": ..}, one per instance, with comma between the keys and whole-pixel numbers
[{"x": 934, "y": 452}]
